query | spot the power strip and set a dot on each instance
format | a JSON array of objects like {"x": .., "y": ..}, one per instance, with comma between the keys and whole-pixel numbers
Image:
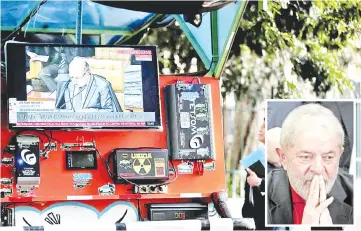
[
  {"x": 5, "y": 192},
  {"x": 86, "y": 145},
  {"x": 6, "y": 181},
  {"x": 51, "y": 146},
  {"x": 7, "y": 161},
  {"x": 149, "y": 189}
]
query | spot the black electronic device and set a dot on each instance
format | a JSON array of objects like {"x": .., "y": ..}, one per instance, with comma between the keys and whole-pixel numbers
[
  {"x": 182, "y": 211},
  {"x": 6, "y": 216},
  {"x": 117, "y": 80},
  {"x": 189, "y": 121},
  {"x": 81, "y": 160},
  {"x": 143, "y": 166},
  {"x": 27, "y": 160}
]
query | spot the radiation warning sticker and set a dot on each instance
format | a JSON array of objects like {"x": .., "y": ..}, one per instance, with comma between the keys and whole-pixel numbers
[
  {"x": 159, "y": 165},
  {"x": 142, "y": 166}
]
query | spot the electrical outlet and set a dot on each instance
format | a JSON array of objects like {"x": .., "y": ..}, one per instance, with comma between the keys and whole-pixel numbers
[
  {"x": 88, "y": 145},
  {"x": 10, "y": 148},
  {"x": 6, "y": 181},
  {"x": 149, "y": 189},
  {"x": 24, "y": 190},
  {"x": 51, "y": 146},
  {"x": 5, "y": 192},
  {"x": 7, "y": 161},
  {"x": 69, "y": 146}
]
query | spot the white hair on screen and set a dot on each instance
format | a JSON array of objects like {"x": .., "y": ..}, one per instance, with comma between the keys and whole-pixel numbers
[{"x": 80, "y": 63}]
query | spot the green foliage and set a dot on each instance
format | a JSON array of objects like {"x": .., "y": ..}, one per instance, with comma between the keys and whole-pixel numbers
[
  {"x": 275, "y": 52},
  {"x": 175, "y": 51},
  {"x": 293, "y": 42}
]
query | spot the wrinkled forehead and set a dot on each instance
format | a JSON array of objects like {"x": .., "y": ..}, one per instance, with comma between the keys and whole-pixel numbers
[
  {"x": 312, "y": 131},
  {"x": 316, "y": 125},
  {"x": 318, "y": 138}
]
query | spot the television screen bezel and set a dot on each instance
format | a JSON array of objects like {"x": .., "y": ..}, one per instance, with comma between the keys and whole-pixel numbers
[{"x": 12, "y": 68}]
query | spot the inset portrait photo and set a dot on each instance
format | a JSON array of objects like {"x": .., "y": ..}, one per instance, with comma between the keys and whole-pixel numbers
[
  {"x": 358, "y": 160},
  {"x": 310, "y": 153}
]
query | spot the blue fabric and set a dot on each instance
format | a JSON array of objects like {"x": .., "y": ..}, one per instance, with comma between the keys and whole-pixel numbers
[
  {"x": 59, "y": 15},
  {"x": 63, "y": 14},
  {"x": 253, "y": 157}
]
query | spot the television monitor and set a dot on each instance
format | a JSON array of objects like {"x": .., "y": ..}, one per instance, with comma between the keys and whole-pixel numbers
[{"x": 57, "y": 86}]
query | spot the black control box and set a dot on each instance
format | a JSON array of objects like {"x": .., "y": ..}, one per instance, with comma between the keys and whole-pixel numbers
[
  {"x": 27, "y": 161},
  {"x": 182, "y": 211},
  {"x": 140, "y": 165},
  {"x": 6, "y": 216},
  {"x": 189, "y": 121}
]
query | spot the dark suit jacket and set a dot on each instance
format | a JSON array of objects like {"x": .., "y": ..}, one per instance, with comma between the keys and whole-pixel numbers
[
  {"x": 99, "y": 95},
  {"x": 249, "y": 210},
  {"x": 280, "y": 204}
]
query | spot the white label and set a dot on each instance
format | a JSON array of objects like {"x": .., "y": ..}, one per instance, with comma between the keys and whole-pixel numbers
[
  {"x": 185, "y": 168},
  {"x": 185, "y": 120}
]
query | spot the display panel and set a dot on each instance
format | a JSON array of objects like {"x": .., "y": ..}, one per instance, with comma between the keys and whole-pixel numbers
[
  {"x": 81, "y": 160},
  {"x": 82, "y": 86}
]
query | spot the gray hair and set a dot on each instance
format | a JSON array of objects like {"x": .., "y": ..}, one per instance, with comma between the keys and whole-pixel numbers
[
  {"x": 81, "y": 63},
  {"x": 309, "y": 113}
]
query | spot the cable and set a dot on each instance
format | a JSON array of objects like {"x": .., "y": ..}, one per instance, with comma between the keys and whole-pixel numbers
[
  {"x": 105, "y": 162},
  {"x": 26, "y": 221},
  {"x": 175, "y": 175},
  {"x": 49, "y": 141},
  {"x": 71, "y": 99},
  {"x": 51, "y": 136}
]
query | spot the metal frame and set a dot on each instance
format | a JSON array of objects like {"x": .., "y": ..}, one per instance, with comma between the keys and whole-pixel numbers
[
  {"x": 358, "y": 140},
  {"x": 79, "y": 22},
  {"x": 193, "y": 41},
  {"x": 228, "y": 45},
  {"x": 216, "y": 64},
  {"x": 214, "y": 41}
]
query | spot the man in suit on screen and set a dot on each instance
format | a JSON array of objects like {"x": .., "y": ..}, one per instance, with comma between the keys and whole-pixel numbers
[{"x": 85, "y": 91}]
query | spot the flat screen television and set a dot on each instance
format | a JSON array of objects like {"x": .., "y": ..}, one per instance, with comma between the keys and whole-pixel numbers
[{"x": 57, "y": 86}]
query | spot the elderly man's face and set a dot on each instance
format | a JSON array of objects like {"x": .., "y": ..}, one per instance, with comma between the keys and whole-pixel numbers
[
  {"x": 316, "y": 151},
  {"x": 76, "y": 72}
]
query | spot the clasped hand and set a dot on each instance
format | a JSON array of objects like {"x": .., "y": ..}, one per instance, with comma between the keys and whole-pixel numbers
[{"x": 316, "y": 209}]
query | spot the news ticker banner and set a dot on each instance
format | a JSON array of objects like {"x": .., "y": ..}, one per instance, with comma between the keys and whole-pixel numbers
[{"x": 43, "y": 113}]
